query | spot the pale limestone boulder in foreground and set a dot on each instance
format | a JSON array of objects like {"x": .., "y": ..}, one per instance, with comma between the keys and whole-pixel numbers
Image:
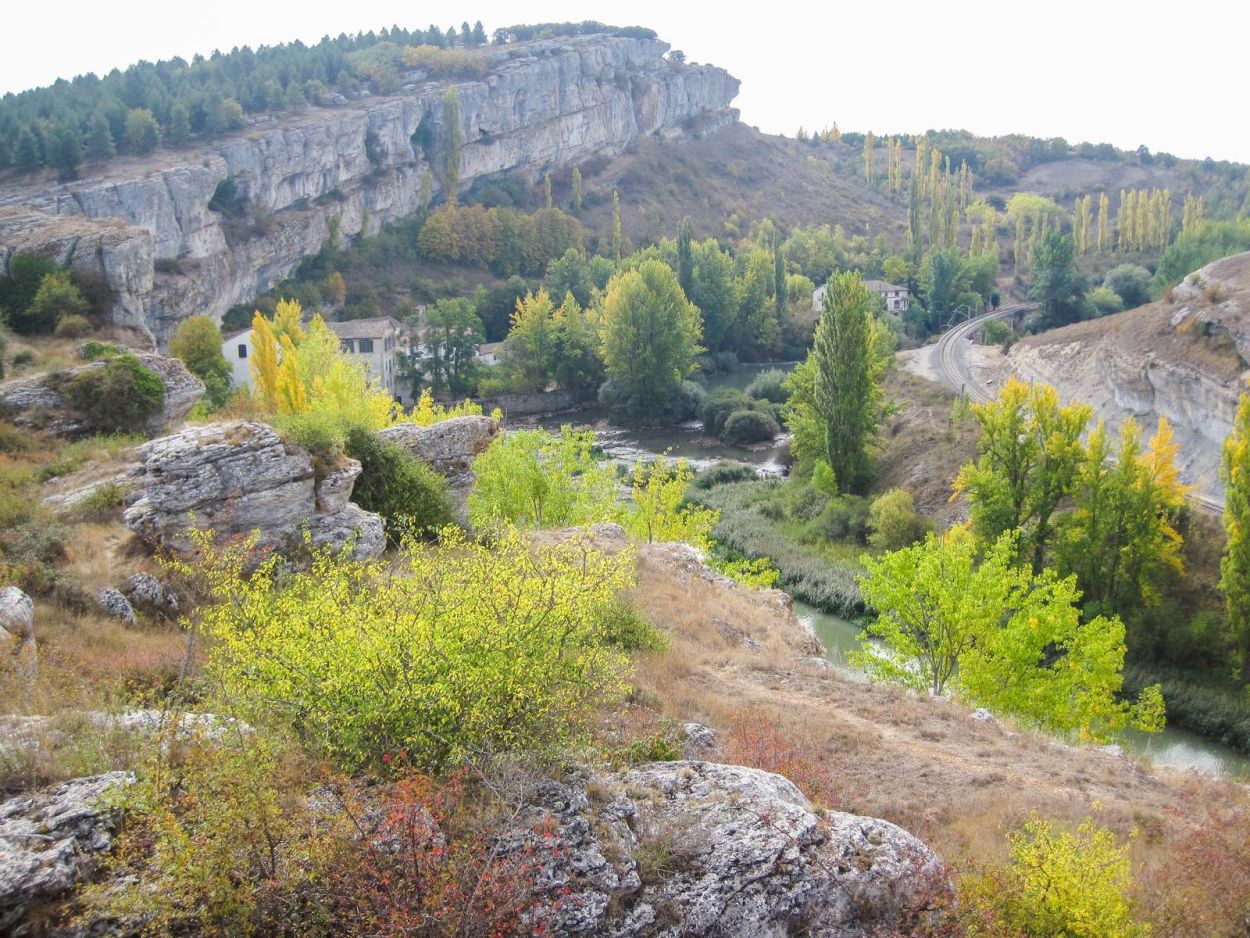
[
  {"x": 234, "y": 478},
  {"x": 52, "y": 840},
  {"x": 698, "y": 848}
]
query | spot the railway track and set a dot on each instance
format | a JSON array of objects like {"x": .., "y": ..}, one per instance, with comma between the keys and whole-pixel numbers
[{"x": 955, "y": 373}]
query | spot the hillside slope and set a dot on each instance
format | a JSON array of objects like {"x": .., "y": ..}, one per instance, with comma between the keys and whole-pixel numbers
[{"x": 1184, "y": 358}]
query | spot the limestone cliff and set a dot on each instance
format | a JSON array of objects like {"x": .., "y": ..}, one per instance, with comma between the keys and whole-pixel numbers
[
  {"x": 147, "y": 226},
  {"x": 1183, "y": 358}
]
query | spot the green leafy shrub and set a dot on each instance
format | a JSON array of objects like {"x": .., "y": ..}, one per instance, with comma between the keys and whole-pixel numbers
[
  {"x": 625, "y": 628},
  {"x": 72, "y": 326},
  {"x": 537, "y": 479},
  {"x": 451, "y": 653},
  {"x": 894, "y": 522},
  {"x": 769, "y": 386},
  {"x": 402, "y": 489},
  {"x": 749, "y": 426},
  {"x": 120, "y": 396},
  {"x": 1057, "y": 883},
  {"x": 718, "y": 406},
  {"x": 219, "y": 840},
  {"x": 723, "y": 473},
  {"x": 844, "y": 519},
  {"x": 91, "y": 350}
]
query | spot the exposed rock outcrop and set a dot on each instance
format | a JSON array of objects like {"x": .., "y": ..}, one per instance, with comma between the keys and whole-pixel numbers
[
  {"x": 150, "y": 595},
  {"x": 115, "y": 605},
  {"x": 38, "y": 402},
  {"x": 353, "y": 168},
  {"x": 17, "y": 615},
  {"x": 237, "y": 477},
  {"x": 698, "y": 848},
  {"x": 51, "y": 840},
  {"x": 449, "y": 447},
  {"x": 1184, "y": 358}
]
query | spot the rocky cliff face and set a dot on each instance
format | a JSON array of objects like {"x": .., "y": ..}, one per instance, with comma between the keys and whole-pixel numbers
[
  {"x": 1183, "y": 358},
  {"x": 147, "y": 226}
]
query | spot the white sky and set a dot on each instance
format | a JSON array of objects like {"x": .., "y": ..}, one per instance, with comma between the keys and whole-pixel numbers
[{"x": 1169, "y": 76}]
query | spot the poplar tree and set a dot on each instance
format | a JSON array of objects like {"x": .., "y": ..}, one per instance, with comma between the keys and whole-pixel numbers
[
  {"x": 685, "y": 255},
  {"x": 869, "y": 143},
  {"x": 547, "y": 189},
  {"x": 847, "y": 393},
  {"x": 616, "y": 225},
  {"x": 577, "y": 189},
  {"x": 1235, "y": 564},
  {"x": 1104, "y": 223},
  {"x": 264, "y": 361}
]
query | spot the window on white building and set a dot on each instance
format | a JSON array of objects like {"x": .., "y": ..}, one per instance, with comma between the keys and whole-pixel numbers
[
  {"x": 242, "y": 351},
  {"x": 366, "y": 346}
]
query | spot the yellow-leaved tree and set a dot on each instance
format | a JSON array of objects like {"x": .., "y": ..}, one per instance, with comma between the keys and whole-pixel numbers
[{"x": 264, "y": 363}]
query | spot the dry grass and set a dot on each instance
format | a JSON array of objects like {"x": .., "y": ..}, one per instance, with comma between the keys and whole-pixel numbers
[{"x": 924, "y": 764}]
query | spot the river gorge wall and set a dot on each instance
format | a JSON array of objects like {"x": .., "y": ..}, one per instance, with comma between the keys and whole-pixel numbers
[{"x": 145, "y": 223}]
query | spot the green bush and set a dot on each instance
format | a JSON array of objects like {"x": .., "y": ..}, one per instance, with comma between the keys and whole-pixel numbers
[
  {"x": 723, "y": 473},
  {"x": 625, "y": 628},
  {"x": 718, "y": 406},
  {"x": 120, "y": 396},
  {"x": 1197, "y": 703},
  {"x": 749, "y": 426},
  {"x": 447, "y": 654},
  {"x": 768, "y": 386},
  {"x": 406, "y": 492},
  {"x": 844, "y": 519},
  {"x": 92, "y": 350},
  {"x": 894, "y": 522},
  {"x": 72, "y": 326}
]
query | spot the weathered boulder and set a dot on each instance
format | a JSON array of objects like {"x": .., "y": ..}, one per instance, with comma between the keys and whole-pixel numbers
[
  {"x": 37, "y": 401},
  {"x": 450, "y": 447},
  {"x": 698, "y": 848},
  {"x": 115, "y": 605},
  {"x": 234, "y": 478},
  {"x": 17, "y": 614},
  {"x": 148, "y": 594},
  {"x": 335, "y": 489},
  {"x": 51, "y": 840}
]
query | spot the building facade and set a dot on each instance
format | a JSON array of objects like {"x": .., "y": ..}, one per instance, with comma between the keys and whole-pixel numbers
[{"x": 894, "y": 297}]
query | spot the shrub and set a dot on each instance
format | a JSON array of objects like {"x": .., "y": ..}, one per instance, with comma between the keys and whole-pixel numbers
[
  {"x": 432, "y": 865},
  {"x": 1105, "y": 300},
  {"x": 219, "y": 840},
  {"x": 625, "y": 628},
  {"x": 894, "y": 522},
  {"x": 723, "y": 473},
  {"x": 56, "y": 298},
  {"x": 1056, "y": 884},
  {"x": 844, "y": 519},
  {"x": 749, "y": 426},
  {"x": 72, "y": 326},
  {"x": 537, "y": 479},
  {"x": 403, "y": 490},
  {"x": 718, "y": 406},
  {"x": 451, "y": 653},
  {"x": 768, "y": 386},
  {"x": 91, "y": 350},
  {"x": 24, "y": 358},
  {"x": 121, "y": 396}
]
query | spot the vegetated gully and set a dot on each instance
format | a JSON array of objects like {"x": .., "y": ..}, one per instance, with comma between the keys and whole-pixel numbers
[{"x": 1173, "y": 747}]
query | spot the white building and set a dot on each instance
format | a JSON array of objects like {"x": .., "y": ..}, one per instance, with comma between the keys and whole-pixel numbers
[
  {"x": 375, "y": 344},
  {"x": 892, "y": 295},
  {"x": 372, "y": 342},
  {"x": 237, "y": 349}
]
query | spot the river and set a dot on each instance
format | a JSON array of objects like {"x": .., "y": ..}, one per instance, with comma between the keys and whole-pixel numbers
[
  {"x": 1173, "y": 747},
  {"x": 684, "y": 441}
]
